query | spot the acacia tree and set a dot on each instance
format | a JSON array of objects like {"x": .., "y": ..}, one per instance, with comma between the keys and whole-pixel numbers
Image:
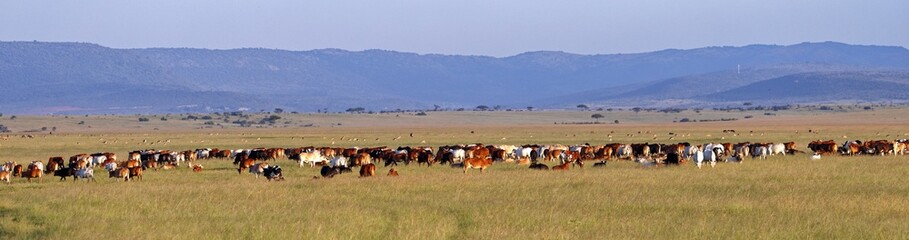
[{"x": 597, "y": 117}]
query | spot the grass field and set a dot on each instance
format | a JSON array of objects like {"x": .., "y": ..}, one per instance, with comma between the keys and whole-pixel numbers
[{"x": 782, "y": 197}]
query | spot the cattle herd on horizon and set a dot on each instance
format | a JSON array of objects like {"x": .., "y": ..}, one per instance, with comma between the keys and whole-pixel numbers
[{"x": 336, "y": 160}]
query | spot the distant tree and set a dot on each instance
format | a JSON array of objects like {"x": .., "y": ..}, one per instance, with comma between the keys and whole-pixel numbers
[
  {"x": 636, "y": 110},
  {"x": 436, "y": 107},
  {"x": 279, "y": 110},
  {"x": 356, "y": 110},
  {"x": 597, "y": 117},
  {"x": 616, "y": 121},
  {"x": 497, "y": 107},
  {"x": 13, "y": 117},
  {"x": 143, "y": 119},
  {"x": 582, "y": 107},
  {"x": 482, "y": 108},
  {"x": 529, "y": 108}
]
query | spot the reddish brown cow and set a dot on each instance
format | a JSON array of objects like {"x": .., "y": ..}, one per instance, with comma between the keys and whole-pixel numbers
[
  {"x": 368, "y": 170},
  {"x": 33, "y": 172},
  {"x": 120, "y": 173},
  {"x": 5, "y": 176},
  {"x": 245, "y": 164},
  {"x": 53, "y": 164},
  {"x": 481, "y": 163},
  {"x": 563, "y": 166},
  {"x": 135, "y": 172}
]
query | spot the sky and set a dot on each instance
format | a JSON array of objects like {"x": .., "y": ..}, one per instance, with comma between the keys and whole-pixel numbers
[{"x": 463, "y": 27}]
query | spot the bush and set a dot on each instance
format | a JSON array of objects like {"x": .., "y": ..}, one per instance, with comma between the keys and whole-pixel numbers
[{"x": 143, "y": 119}]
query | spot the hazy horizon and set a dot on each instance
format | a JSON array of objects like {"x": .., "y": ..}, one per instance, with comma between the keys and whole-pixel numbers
[{"x": 501, "y": 28}]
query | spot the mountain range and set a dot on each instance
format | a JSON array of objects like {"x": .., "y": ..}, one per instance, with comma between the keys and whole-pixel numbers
[{"x": 70, "y": 78}]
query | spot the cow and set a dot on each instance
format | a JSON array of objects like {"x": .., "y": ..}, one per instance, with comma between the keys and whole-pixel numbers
[
  {"x": 760, "y": 151},
  {"x": 119, "y": 173},
  {"x": 362, "y": 159},
  {"x": 274, "y": 173},
  {"x": 54, "y": 164},
  {"x": 84, "y": 173},
  {"x": 258, "y": 169},
  {"x": 63, "y": 173},
  {"x": 710, "y": 155},
  {"x": 777, "y": 148},
  {"x": 539, "y": 166},
  {"x": 823, "y": 147},
  {"x": 310, "y": 158},
  {"x": 338, "y": 161},
  {"x": 245, "y": 164},
  {"x": 329, "y": 172},
  {"x": 34, "y": 170},
  {"x": 481, "y": 163},
  {"x": 368, "y": 170},
  {"x": 135, "y": 172},
  {"x": 696, "y": 155},
  {"x": 5, "y": 176},
  {"x": 562, "y": 167}
]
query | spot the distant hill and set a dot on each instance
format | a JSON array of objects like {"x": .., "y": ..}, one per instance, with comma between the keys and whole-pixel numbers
[
  {"x": 41, "y": 77},
  {"x": 821, "y": 87}
]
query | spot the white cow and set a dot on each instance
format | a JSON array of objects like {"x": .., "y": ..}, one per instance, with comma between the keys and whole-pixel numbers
[
  {"x": 97, "y": 160},
  {"x": 760, "y": 151},
  {"x": 522, "y": 153},
  {"x": 459, "y": 155},
  {"x": 778, "y": 148},
  {"x": 710, "y": 154},
  {"x": 338, "y": 161},
  {"x": 310, "y": 158},
  {"x": 696, "y": 155},
  {"x": 84, "y": 173}
]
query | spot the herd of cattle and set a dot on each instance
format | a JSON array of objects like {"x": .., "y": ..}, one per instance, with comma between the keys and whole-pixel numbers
[{"x": 335, "y": 161}]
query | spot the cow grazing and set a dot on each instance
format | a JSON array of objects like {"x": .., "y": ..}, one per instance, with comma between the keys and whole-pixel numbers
[
  {"x": 84, "y": 173},
  {"x": 368, "y": 170},
  {"x": 481, "y": 163},
  {"x": 135, "y": 172},
  {"x": 258, "y": 169},
  {"x": 392, "y": 172},
  {"x": 120, "y": 173},
  {"x": 54, "y": 164},
  {"x": 599, "y": 164}
]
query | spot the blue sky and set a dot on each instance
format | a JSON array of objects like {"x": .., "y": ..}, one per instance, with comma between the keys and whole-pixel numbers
[{"x": 496, "y": 28}]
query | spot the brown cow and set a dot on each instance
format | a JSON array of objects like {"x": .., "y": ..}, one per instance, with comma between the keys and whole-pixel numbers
[
  {"x": 135, "y": 172},
  {"x": 197, "y": 168},
  {"x": 368, "y": 170},
  {"x": 481, "y": 163},
  {"x": 17, "y": 170},
  {"x": 245, "y": 164},
  {"x": 120, "y": 173},
  {"x": 53, "y": 164},
  {"x": 5, "y": 176},
  {"x": 563, "y": 166},
  {"x": 34, "y": 171},
  {"x": 392, "y": 172}
]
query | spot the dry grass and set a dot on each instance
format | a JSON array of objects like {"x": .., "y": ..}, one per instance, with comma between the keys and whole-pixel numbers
[{"x": 783, "y": 197}]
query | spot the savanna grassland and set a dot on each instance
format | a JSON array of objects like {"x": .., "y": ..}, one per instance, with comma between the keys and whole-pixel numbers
[{"x": 782, "y": 197}]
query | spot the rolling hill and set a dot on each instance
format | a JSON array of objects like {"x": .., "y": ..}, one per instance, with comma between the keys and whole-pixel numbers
[{"x": 42, "y": 77}]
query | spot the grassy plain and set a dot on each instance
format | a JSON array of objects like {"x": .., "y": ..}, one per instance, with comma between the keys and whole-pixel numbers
[{"x": 782, "y": 197}]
